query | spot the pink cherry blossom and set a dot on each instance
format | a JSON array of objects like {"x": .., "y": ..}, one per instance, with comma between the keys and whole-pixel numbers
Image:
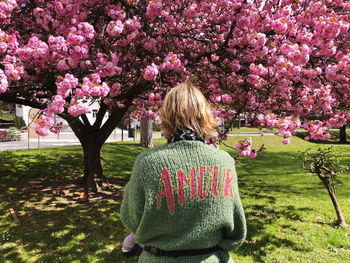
[
  {"x": 56, "y": 106},
  {"x": 244, "y": 148},
  {"x": 93, "y": 86},
  {"x": 43, "y": 124},
  {"x": 115, "y": 28},
  {"x": 3, "y": 134},
  {"x": 77, "y": 108},
  {"x": 286, "y": 141},
  {"x": 151, "y": 72},
  {"x": 65, "y": 86},
  {"x": 253, "y": 154},
  {"x": 279, "y": 63},
  {"x": 3, "y": 81},
  {"x": 154, "y": 9},
  {"x": 6, "y": 8},
  {"x": 172, "y": 63}
]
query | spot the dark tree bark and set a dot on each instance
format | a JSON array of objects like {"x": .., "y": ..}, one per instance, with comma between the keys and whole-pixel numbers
[
  {"x": 94, "y": 178},
  {"x": 327, "y": 183},
  {"x": 146, "y": 139},
  {"x": 342, "y": 134},
  {"x": 92, "y": 140}
]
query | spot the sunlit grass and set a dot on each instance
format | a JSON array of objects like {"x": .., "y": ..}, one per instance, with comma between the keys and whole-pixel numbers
[
  {"x": 290, "y": 216},
  {"x": 6, "y": 116}
]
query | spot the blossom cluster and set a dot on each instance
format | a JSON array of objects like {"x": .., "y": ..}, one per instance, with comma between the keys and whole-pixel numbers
[
  {"x": 318, "y": 130},
  {"x": 115, "y": 89},
  {"x": 244, "y": 148},
  {"x": 66, "y": 85},
  {"x": 93, "y": 86},
  {"x": 56, "y": 128},
  {"x": 154, "y": 99},
  {"x": 151, "y": 72},
  {"x": 43, "y": 124},
  {"x": 79, "y": 39},
  {"x": 277, "y": 62},
  {"x": 172, "y": 63},
  {"x": 3, "y": 81},
  {"x": 14, "y": 69},
  {"x": 339, "y": 119},
  {"x": 58, "y": 47},
  {"x": 56, "y": 106},
  {"x": 212, "y": 142},
  {"x": 154, "y": 9},
  {"x": 3, "y": 134},
  {"x": 77, "y": 108},
  {"x": 8, "y": 42},
  {"x": 36, "y": 52},
  {"x": 115, "y": 28},
  {"x": 6, "y": 8},
  {"x": 108, "y": 66},
  {"x": 285, "y": 126}
]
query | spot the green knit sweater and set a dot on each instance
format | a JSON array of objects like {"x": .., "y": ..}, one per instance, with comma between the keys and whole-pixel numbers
[{"x": 184, "y": 195}]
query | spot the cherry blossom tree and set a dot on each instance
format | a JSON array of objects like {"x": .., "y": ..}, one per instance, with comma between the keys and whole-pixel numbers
[{"x": 283, "y": 63}]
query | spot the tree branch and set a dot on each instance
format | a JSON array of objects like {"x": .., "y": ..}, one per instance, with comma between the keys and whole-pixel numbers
[
  {"x": 99, "y": 118},
  {"x": 85, "y": 120},
  {"x": 12, "y": 99},
  {"x": 77, "y": 127},
  {"x": 118, "y": 113}
]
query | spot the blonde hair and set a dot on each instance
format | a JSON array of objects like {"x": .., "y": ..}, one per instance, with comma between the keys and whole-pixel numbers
[{"x": 185, "y": 106}]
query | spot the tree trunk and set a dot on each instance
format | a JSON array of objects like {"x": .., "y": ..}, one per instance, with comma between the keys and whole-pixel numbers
[
  {"x": 94, "y": 178},
  {"x": 342, "y": 134},
  {"x": 92, "y": 141},
  {"x": 146, "y": 127},
  {"x": 341, "y": 219}
]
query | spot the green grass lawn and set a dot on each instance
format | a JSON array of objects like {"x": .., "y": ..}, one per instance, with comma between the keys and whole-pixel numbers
[
  {"x": 244, "y": 129},
  {"x": 6, "y": 116},
  {"x": 290, "y": 216}
]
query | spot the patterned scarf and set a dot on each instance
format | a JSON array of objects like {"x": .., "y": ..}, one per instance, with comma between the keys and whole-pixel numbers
[{"x": 187, "y": 135}]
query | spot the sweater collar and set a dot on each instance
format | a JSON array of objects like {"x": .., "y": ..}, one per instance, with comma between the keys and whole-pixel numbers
[{"x": 188, "y": 135}]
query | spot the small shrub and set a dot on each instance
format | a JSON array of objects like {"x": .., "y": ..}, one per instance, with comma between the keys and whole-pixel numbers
[
  {"x": 18, "y": 122},
  {"x": 325, "y": 162}
]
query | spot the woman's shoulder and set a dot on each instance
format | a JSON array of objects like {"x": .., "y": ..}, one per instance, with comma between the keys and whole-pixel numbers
[
  {"x": 221, "y": 154},
  {"x": 151, "y": 153},
  {"x": 167, "y": 150}
]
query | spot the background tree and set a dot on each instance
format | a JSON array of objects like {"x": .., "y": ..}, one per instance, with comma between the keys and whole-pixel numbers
[
  {"x": 279, "y": 61},
  {"x": 146, "y": 133},
  {"x": 342, "y": 134},
  {"x": 326, "y": 164}
]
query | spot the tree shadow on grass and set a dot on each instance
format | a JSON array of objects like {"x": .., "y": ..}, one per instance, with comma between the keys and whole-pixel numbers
[
  {"x": 73, "y": 233},
  {"x": 334, "y": 139},
  {"x": 53, "y": 227},
  {"x": 278, "y": 179},
  {"x": 259, "y": 241}
]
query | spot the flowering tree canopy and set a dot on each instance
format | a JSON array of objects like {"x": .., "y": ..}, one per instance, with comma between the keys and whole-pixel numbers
[{"x": 284, "y": 63}]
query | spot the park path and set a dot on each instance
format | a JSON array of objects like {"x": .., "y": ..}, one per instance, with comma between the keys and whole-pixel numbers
[
  {"x": 63, "y": 139},
  {"x": 68, "y": 139}
]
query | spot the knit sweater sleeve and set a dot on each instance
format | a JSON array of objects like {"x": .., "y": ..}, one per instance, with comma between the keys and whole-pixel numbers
[
  {"x": 133, "y": 200},
  {"x": 235, "y": 238}
]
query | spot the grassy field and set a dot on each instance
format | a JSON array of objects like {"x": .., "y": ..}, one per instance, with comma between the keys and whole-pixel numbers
[
  {"x": 6, "y": 116},
  {"x": 290, "y": 216}
]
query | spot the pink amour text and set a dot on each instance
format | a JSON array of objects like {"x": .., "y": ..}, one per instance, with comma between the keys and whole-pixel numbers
[{"x": 218, "y": 184}]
